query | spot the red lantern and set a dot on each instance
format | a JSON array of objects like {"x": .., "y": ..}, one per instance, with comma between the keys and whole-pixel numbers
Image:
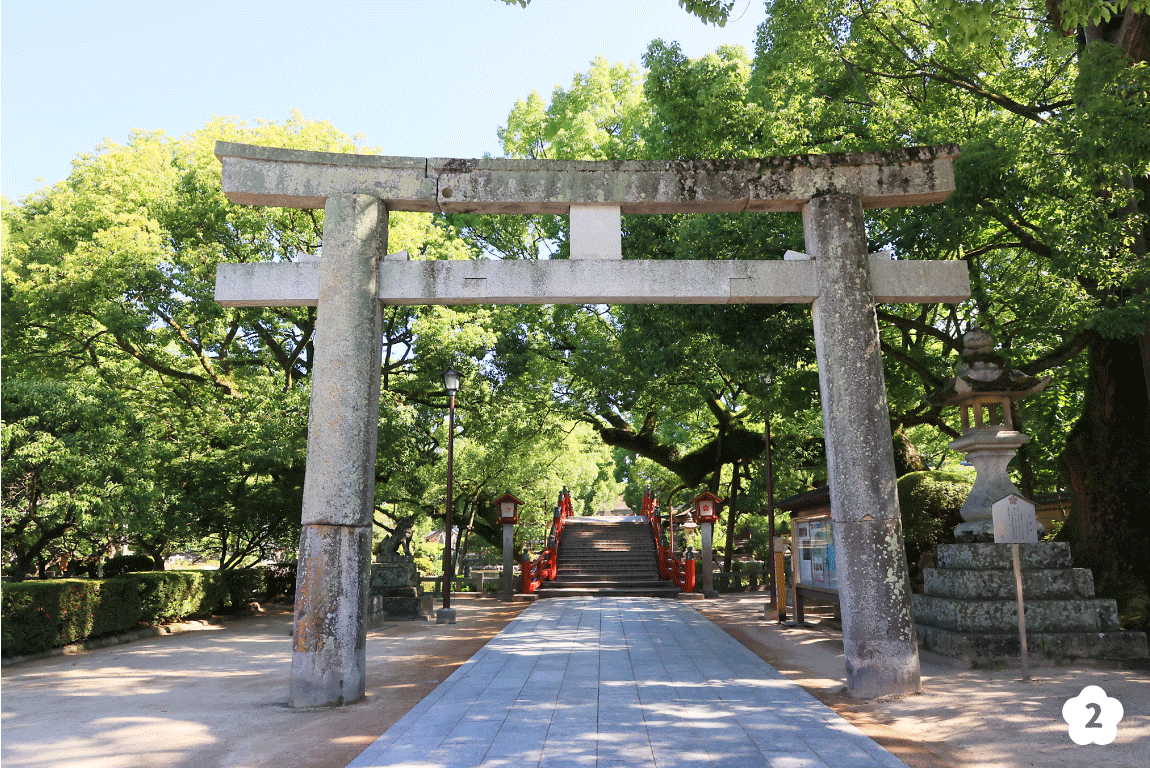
[
  {"x": 508, "y": 507},
  {"x": 706, "y": 507}
]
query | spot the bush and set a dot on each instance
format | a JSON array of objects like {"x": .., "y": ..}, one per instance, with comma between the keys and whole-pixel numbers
[
  {"x": 171, "y": 595},
  {"x": 245, "y": 585},
  {"x": 121, "y": 564},
  {"x": 39, "y": 615},
  {"x": 930, "y": 503},
  {"x": 281, "y": 578}
]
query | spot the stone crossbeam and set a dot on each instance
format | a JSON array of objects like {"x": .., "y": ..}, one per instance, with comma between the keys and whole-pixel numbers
[
  {"x": 293, "y": 178},
  {"x": 591, "y": 282}
]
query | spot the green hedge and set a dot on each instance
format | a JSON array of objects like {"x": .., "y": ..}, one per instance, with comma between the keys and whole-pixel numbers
[
  {"x": 930, "y": 503},
  {"x": 171, "y": 595},
  {"x": 38, "y": 615},
  {"x": 281, "y": 578},
  {"x": 245, "y": 585}
]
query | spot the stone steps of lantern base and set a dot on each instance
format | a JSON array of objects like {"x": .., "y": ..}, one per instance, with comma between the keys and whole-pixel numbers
[
  {"x": 984, "y": 556},
  {"x": 991, "y": 649},
  {"x": 1037, "y": 584},
  {"x": 978, "y": 615}
]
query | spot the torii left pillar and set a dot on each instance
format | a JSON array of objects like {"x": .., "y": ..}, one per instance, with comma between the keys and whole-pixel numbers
[
  {"x": 879, "y": 643},
  {"x": 329, "y": 641}
]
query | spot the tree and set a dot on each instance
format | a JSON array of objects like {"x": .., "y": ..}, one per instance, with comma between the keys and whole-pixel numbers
[
  {"x": 1048, "y": 211},
  {"x": 710, "y": 11},
  {"x": 75, "y": 466},
  {"x": 1042, "y": 181},
  {"x": 109, "y": 276}
]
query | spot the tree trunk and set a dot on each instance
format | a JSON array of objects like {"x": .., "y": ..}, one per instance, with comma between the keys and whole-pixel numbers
[
  {"x": 461, "y": 550},
  {"x": 906, "y": 456},
  {"x": 1107, "y": 460},
  {"x": 1022, "y": 461},
  {"x": 32, "y": 558},
  {"x": 154, "y": 550},
  {"x": 732, "y": 517}
]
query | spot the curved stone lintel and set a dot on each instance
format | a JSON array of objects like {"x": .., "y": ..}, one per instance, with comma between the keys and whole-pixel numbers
[{"x": 292, "y": 178}]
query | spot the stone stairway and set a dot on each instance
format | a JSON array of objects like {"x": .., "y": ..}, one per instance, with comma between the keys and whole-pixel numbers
[
  {"x": 968, "y": 609},
  {"x": 607, "y": 557}
]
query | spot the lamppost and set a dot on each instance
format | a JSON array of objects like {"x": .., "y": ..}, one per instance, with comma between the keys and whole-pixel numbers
[{"x": 446, "y": 614}]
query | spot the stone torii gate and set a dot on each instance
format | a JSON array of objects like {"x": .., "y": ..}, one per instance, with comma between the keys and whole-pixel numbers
[{"x": 356, "y": 276}]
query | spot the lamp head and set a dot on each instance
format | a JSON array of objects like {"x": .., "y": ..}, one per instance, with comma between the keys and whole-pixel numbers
[{"x": 451, "y": 380}]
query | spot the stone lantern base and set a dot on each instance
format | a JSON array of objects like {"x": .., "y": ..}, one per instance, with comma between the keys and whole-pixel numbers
[{"x": 969, "y": 610}]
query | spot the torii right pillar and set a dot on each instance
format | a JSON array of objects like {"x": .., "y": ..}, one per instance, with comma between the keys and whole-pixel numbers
[{"x": 879, "y": 640}]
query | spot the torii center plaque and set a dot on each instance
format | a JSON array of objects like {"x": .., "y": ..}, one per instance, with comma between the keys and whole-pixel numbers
[{"x": 355, "y": 276}]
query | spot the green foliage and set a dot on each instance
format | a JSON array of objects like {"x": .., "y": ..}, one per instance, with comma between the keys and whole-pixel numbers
[
  {"x": 600, "y": 117},
  {"x": 121, "y": 564},
  {"x": 710, "y": 11},
  {"x": 1079, "y": 13},
  {"x": 428, "y": 557},
  {"x": 245, "y": 585},
  {"x": 171, "y": 595},
  {"x": 930, "y": 502},
  {"x": 40, "y": 615},
  {"x": 703, "y": 107},
  {"x": 75, "y": 460},
  {"x": 108, "y": 289}
]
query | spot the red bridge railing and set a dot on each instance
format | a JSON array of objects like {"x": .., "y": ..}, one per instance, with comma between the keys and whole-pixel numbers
[
  {"x": 545, "y": 567},
  {"x": 681, "y": 572}
]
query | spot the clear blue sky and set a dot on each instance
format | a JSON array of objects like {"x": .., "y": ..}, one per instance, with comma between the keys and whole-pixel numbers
[{"x": 414, "y": 77}]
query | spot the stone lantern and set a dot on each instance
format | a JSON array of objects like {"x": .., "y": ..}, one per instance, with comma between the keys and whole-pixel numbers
[
  {"x": 984, "y": 387},
  {"x": 967, "y": 608},
  {"x": 706, "y": 511},
  {"x": 508, "y": 507}
]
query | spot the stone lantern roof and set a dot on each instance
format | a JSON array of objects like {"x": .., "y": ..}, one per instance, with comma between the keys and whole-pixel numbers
[{"x": 984, "y": 375}]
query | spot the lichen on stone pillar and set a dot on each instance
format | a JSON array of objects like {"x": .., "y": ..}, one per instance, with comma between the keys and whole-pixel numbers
[
  {"x": 879, "y": 642},
  {"x": 329, "y": 645}
]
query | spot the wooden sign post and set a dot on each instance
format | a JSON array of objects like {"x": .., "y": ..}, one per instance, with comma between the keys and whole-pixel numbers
[{"x": 1015, "y": 523}]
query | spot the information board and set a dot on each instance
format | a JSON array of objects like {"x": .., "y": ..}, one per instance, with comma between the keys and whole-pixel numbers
[
  {"x": 1014, "y": 521},
  {"x": 815, "y": 548}
]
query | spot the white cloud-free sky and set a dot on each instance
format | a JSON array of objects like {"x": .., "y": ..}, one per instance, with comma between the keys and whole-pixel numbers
[{"x": 414, "y": 77}]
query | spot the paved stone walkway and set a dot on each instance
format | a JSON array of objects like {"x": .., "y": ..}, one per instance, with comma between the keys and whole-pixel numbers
[{"x": 620, "y": 682}]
